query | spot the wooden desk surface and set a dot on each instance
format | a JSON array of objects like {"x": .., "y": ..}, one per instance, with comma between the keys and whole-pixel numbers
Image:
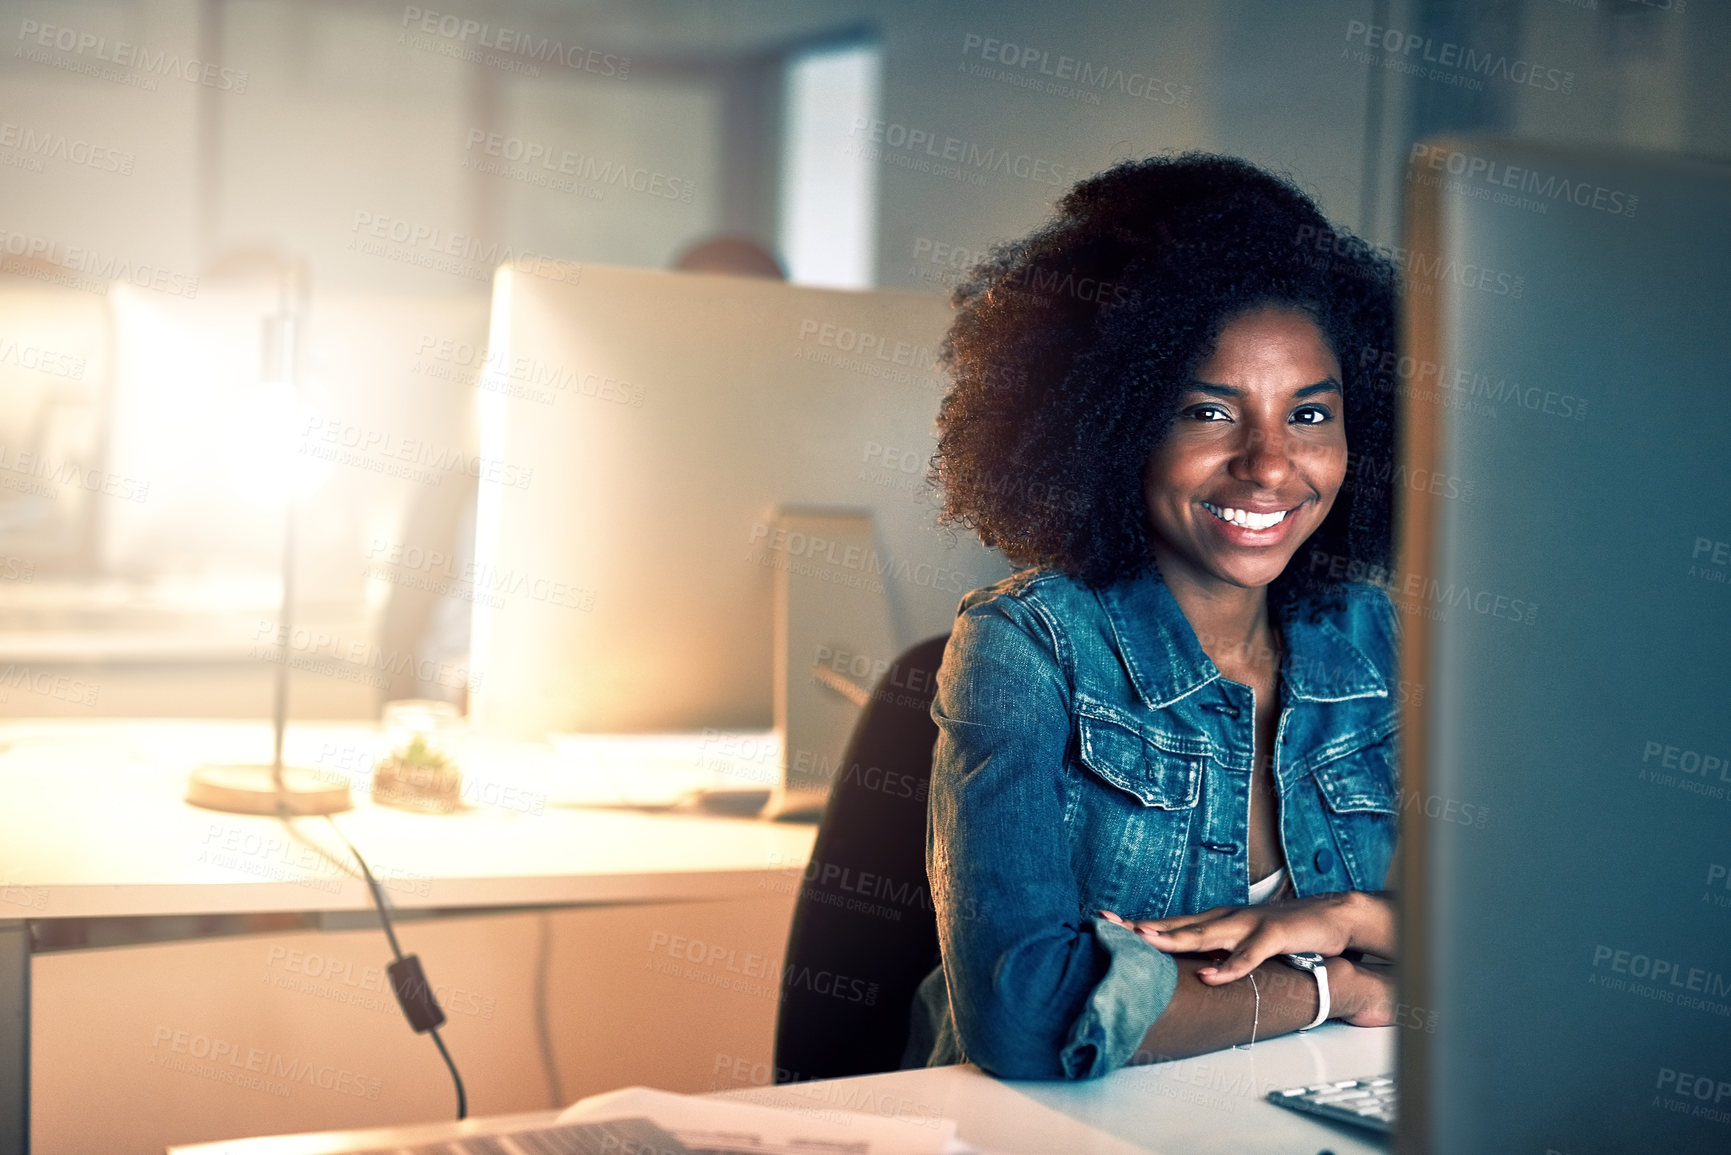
[{"x": 93, "y": 824}]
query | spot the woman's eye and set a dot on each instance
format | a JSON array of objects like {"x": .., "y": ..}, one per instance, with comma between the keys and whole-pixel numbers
[
  {"x": 1208, "y": 413},
  {"x": 1311, "y": 415}
]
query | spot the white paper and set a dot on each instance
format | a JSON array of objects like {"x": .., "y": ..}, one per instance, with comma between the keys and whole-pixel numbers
[{"x": 753, "y": 1129}]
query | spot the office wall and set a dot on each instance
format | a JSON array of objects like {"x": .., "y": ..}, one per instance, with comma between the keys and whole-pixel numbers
[
  {"x": 350, "y": 120},
  {"x": 328, "y": 110},
  {"x": 337, "y": 110},
  {"x": 135, "y": 193},
  {"x": 1248, "y": 79}
]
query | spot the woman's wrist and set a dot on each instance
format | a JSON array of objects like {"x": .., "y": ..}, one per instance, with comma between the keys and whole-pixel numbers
[
  {"x": 1345, "y": 988},
  {"x": 1373, "y": 926}
]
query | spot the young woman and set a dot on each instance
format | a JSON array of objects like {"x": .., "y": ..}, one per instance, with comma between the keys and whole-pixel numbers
[{"x": 1164, "y": 404}]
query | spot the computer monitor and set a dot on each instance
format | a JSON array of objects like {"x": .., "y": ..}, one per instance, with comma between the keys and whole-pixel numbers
[
  {"x": 54, "y": 368},
  {"x": 667, "y": 447},
  {"x": 1566, "y": 793}
]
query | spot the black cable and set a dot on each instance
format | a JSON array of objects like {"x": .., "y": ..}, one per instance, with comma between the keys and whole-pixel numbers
[
  {"x": 391, "y": 934},
  {"x": 543, "y": 1029},
  {"x": 462, "y": 1100}
]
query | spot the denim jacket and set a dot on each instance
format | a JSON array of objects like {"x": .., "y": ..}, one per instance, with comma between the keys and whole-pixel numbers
[{"x": 1091, "y": 756}]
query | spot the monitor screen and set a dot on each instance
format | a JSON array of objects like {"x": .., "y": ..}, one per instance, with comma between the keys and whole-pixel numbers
[
  {"x": 1563, "y": 590},
  {"x": 652, "y": 432}
]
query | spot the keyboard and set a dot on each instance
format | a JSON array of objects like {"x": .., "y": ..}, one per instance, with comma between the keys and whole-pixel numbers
[{"x": 1362, "y": 1102}]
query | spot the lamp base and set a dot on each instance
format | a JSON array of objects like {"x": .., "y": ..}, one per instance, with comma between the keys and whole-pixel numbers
[{"x": 249, "y": 789}]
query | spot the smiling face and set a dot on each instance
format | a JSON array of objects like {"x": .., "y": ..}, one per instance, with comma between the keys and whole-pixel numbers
[{"x": 1255, "y": 457}]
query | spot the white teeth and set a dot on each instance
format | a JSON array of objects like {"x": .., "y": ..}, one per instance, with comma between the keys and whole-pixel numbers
[{"x": 1244, "y": 518}]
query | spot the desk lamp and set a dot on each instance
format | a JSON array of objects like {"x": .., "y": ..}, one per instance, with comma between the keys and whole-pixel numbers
[{"x": 263, "y": 459}]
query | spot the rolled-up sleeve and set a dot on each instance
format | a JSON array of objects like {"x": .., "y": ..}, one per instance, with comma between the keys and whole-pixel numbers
[{"x": 1038, "y": 987}]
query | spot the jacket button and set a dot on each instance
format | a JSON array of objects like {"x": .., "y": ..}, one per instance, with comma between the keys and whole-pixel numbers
[{"x": 1324, "y": 861}]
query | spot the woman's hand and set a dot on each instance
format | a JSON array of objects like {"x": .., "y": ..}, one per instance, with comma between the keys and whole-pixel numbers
[{"x": 1328, "y": 924}]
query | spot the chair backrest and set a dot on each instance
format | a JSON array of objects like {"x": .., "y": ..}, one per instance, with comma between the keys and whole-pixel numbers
[{"x": 864, "y": 933}]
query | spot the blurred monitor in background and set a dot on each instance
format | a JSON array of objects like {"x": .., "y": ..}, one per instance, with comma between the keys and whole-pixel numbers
[
  {"x": 654, "y": 441},
  {"x": 54, "y": 376}
]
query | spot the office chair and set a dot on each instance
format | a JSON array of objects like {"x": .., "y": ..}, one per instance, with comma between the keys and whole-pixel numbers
[{"x": 864, "y": 933}]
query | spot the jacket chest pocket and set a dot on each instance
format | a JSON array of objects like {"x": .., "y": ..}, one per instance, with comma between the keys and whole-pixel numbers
[
  {"x": 1157, "y": 769},
  {"x": 1360, "y": 781},
  {"x": 1131, "y": 815},
  {"x": 1359, "y": 794}
]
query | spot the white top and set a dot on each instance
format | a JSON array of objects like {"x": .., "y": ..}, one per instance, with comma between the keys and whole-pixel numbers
[{"x": 1264, "y": 890}]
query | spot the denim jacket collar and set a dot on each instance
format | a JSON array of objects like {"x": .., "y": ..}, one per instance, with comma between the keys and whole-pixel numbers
[{"x": 1167, "y": 663}]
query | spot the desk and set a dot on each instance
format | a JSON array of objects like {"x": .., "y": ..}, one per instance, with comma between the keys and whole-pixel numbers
[
  {"x": 1209, "y": 1105},
  {"x": 94, "y": 827}
]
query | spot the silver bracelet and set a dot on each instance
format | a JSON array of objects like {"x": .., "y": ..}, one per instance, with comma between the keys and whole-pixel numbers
[{"x": 1256, "y": 1010}]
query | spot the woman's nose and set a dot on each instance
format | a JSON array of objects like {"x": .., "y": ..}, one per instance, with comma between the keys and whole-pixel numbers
[{"x": 1261, "y": 457}]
